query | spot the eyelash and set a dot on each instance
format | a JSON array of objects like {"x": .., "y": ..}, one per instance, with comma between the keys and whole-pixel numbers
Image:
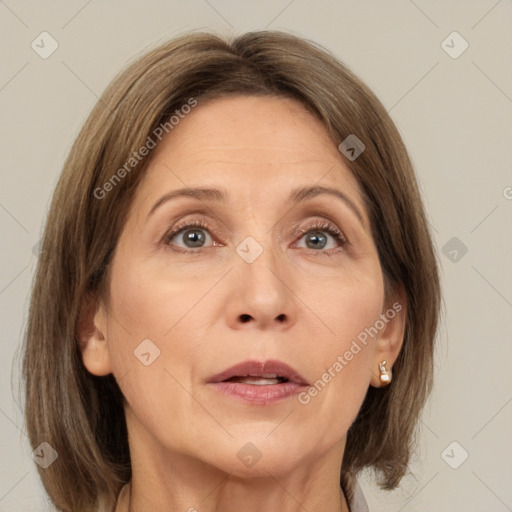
[{"x": 318, "y": 225}]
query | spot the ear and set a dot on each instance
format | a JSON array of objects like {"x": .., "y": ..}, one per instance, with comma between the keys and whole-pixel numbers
[
  {"x": 92, "y": 329},
  {"x": 390, "y": 339}
]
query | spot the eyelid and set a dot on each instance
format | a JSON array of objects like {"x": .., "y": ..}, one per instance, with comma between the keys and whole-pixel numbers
[
  {"x": 198, "y": 222},
  {"x": 323, "y": 225}
]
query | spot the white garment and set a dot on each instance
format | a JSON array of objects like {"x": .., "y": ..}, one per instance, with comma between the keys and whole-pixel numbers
[{"x": 358, "y": 503}]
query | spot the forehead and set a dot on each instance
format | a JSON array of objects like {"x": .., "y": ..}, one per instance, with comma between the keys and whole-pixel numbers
[
  {"x": 250, "y": 145},
  {"x": 264, "y": 128}
]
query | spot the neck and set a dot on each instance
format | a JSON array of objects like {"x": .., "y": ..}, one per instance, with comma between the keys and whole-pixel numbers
[{"x": 127, "y": 504}]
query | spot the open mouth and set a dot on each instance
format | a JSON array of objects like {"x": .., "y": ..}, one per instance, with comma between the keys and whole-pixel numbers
[
  {"x": 264, "y": 380},
  {"x": 260, "y": 373},
  {"x": 259, "y": 382}
]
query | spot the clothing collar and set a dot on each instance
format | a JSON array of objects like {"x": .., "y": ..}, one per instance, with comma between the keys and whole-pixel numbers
[{"x": 358, "y": 503}]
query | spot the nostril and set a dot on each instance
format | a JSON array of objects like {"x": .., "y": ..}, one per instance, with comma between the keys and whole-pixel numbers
[{"x": 245, "y": 318}]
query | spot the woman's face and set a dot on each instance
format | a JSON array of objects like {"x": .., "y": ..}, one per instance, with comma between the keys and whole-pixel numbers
[{"x": 270, "y": 266}]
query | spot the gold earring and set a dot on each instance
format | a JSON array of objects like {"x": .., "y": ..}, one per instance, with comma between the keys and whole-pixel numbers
[{"x": 385, "y": 374}]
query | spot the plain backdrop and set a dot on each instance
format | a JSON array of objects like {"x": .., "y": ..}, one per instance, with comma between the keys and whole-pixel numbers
[{"x": 453, "y": 107}]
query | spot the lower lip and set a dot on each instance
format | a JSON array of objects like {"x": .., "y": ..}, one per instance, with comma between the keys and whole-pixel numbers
[{"x": 260, "y": 395}]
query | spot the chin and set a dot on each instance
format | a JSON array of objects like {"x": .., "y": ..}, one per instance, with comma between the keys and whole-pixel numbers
[{"x": 258, "y": 455}]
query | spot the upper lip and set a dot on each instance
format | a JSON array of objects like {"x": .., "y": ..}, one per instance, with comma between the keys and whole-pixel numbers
[{"x": 260, "y": 369}]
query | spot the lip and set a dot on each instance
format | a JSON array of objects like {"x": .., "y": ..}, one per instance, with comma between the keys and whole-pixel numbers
[{"x": 259, "y": 394}]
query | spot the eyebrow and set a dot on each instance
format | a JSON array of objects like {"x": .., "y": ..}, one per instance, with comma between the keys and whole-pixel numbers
[{"x": 297, "y": 195}]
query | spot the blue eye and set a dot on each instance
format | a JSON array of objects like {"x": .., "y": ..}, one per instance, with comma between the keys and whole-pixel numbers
[
  {"x": 195, "y": 235},
  {"x": 317, "y": 240}
]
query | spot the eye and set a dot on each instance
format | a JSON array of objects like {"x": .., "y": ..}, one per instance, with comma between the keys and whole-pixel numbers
[
  {"x": 194, "y": 234},
  {"x": 316, "y": 239}
]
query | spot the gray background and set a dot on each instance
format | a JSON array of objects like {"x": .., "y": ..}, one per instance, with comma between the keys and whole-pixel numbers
[{"x": 455, "y": 115}]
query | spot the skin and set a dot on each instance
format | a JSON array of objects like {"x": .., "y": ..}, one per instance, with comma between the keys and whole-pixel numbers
[{"x": 305, "y": 303}]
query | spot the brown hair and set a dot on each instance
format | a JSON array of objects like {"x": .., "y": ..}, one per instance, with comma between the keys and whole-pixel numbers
[{"x": 80, "y": 415}]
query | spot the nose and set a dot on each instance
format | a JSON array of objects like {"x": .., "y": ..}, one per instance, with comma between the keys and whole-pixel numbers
[{"x": 261, "y": 294}]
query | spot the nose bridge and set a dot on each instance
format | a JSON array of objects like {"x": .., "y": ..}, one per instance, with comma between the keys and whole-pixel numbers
[
  {"x": 259, "y": 245},
  {"x": 262, "y": 263},
  {"x": 261, "y": 279}
]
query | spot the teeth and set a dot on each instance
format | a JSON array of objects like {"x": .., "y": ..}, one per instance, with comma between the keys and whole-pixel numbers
[{"x": 258, "y": 381}]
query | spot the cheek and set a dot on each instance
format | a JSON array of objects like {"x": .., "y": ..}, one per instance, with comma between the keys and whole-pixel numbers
[
  {"x": 346, "y": 303},
  {"x": 152, "y": 321},
  {"x": 349, "y": 308},
  {"x": 151, "y": 343},
  {"x": 149, "y": 302}
]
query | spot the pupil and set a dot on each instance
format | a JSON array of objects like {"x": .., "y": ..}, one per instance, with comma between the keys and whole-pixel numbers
[
  {"x": 195, "y": 237},
  {"x": 314, "y": 238}
]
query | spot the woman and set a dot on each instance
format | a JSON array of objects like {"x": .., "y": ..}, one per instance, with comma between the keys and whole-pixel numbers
[{"x": 237, "y": 296}]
